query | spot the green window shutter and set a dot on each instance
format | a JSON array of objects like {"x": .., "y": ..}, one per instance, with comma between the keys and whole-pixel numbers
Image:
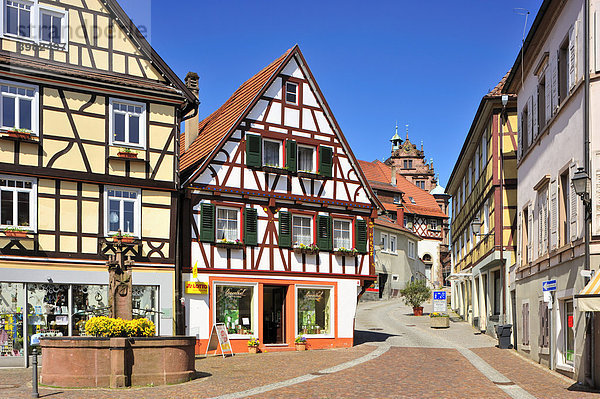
[
  {"x": 250, "y": 226},
  {"x": 324, "y": 238},
  {"x": 291, "y": 156},
  {"x": 361, "y": 235},
  {"x": 207, "y": 223},
  {"x": 253, "y": 150},
  {"x": 325, "y": 161},
  {"x": 285, "y": 229}
]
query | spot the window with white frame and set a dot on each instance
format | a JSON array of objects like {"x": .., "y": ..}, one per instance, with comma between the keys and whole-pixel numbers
[
  {"x": 272, "y": 153},
  {"x": 411, "y": 249},
  {"x": 128, "y": 123},
  {"x": 291, "y": 93},
  {"x": 396, "y": 198},
  {"x": 31, "y": 21},
  {"x": 19, "y": 107},
  {"x": 342, "y": 237},
  {"x": 393, "y": 241},
  {"x": 123, "y": 211},
  {"x": 228, "y": 224},
  {"x": 235, "y": 306},
  {"x": 306, "y": 159},
  {"x": 434, "y": 224},
  {"x": 18, "y": 201},
  {"x": 569, "y": 332},
  {"x": 302, "y": 230},
  {"x": 384, "y": 242},
  {"x": 314, "y": 310}
]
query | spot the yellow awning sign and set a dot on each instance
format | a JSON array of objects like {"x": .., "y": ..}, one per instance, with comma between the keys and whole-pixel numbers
[
  {"x": 588, "y": 300},
  {"x": 196, "y": 287}
]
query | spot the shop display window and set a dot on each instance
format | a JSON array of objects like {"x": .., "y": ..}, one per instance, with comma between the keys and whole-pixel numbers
[
  {"x": 12, "y": 300},
  {"x": 314, "y": 311},
  {"x": 234, "y": 307},
  {"x": 145, "y": 302},
  {"x": 88, "y": 301},
  {"x": 48, "y": 309}
]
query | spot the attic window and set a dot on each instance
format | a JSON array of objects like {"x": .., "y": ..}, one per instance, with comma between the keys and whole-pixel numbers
[
  {"x": 396, "y": 198},
  {"x": 291, "y": 93},
  {"x": 412, "y": 200}
]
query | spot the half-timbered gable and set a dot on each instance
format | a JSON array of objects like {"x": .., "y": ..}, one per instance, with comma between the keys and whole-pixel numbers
[
  {"x": 275, "y": 190},
  {"x": 89, "y": 127}
]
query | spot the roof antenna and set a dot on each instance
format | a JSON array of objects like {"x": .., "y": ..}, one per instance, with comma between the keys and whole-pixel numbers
[{"x": 525, "y": 12}]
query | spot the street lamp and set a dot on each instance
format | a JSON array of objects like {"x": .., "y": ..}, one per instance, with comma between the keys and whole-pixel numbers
[
  {"x": 580, "y": 182},
  {"x": 476, "y": 226}
]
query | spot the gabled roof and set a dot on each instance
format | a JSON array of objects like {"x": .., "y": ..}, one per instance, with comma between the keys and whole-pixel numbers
[
  {"x": 216, "y": 129},
  {"x": 424, "y": 202},
  {"x": 385, "y": 221}
]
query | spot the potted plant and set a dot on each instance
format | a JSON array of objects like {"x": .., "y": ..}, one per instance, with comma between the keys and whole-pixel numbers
[
  {"x": 272, "y": 168},
  {"x": 225, "y": 243},
  {"x": 306, "y": 249},
  {"x": 300, "y": 342},
  {"x": 343, "y": 251},
  {"x": 15, "y": 231},
  {"x": 127, "y": 153},
  {"x": 22, "y": 134},
  {"x": 439, "y": 320},
  {"x": 253, "y": 345},
  {"x": 125, "y": 238},
  {"x": 414, "y": 294}
]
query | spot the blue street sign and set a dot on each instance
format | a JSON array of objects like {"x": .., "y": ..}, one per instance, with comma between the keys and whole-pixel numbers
[
  {"x": 439, "y": 295},
  {"x": 549, "y": 285}
]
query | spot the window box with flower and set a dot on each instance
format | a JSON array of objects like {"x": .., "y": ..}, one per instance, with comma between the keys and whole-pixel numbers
[
  {"x": 231, "y": 244},
  {"x": 124, "y": 238},
  {"x": 20, "y": 134},
  {"x": 127, "y": 153},
  {"x": 311, "y": 249},
  {"x": 342, "y": 251},
  {"x": 275, "y": 169},
  {"x": 15, "y": 232}
]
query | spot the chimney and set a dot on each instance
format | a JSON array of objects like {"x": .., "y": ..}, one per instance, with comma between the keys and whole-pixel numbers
[
  {"x": 191, "y": 125},
  {"x": 400, "y": 216},
  {"x": 394, "y": 175}
]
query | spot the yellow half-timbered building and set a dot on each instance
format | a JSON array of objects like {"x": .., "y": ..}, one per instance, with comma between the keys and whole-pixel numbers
[
  {"x": 483, "y": 186},
  {"x": 89, "y": 128}
]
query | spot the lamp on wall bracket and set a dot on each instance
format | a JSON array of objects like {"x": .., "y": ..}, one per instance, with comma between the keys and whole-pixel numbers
[
  {"x": 581, "y": 184},
  {"x": 476, "y": 227}
]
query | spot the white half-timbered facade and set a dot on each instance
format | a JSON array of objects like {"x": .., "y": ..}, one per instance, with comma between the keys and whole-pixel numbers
[{"x": 280, "y": 215}]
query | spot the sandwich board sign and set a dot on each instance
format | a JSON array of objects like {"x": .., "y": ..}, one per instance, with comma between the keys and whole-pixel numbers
[
  {"x": 440, "y": 301},
  {"x": 219, "y": 338}
]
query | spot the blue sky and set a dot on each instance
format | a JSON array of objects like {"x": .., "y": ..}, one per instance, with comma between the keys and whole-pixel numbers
[{"x": 425, "y": 64}]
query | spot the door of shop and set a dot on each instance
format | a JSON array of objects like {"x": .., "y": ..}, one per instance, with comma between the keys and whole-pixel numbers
[{"x": 274, "y": 314}]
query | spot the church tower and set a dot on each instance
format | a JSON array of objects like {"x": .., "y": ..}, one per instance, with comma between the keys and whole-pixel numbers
[{"x": 410, "y": 162}]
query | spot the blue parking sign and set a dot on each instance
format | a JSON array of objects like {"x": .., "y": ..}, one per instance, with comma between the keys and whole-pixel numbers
[{"x": 439, "y": 295}]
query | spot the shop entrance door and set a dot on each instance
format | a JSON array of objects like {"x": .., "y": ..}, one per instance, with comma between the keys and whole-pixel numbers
[{"x": 274, "y": 314}]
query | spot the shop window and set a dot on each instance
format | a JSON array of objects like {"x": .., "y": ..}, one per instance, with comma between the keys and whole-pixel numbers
[
  {"x": 88, "y": 301},
  {"x": 18, "y": 202},
  {"x": 228, "y": 224},
  {"x": 145, "y": 302},
  {"x": 314, "y": 311},
  {"x": 569, "y": 326},
  {"x": 272, "y": 153},
  {"x": 123, "y": 211},
  {"x": 234, "y": 308},
  {"x": 48, "y": 309},
  {"x": 341, "y": 234},
  {"x": 128, "y": 123},
  {"x": 12, "y": 300},
  {"x": 302, "y": 230},
  {"x": 19, "y": 106}
]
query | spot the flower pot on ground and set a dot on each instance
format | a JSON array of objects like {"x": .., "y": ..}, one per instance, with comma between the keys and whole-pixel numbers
[
  {"x": 439, "y": 320},
  {"x": 414, "y": 294},
  {"x": 253, "y": 349},
  {"x": 253, "y": 345},
  {"x": 300, "y": 343}
]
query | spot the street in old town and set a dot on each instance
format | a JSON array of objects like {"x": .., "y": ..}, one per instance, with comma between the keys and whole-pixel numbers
[{"x": 397, "y": 355}]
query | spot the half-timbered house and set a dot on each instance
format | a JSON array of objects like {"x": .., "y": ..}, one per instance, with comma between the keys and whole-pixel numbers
[
  {"x": 280, "y": 216},
  {"x": 89, "y": 117}
]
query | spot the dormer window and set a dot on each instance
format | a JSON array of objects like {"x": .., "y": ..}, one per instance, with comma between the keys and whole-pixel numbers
[
  {"x": 412, "y": 200},
  {"x": 396, "y": 198},
  {"x": 291, "y": 93}
]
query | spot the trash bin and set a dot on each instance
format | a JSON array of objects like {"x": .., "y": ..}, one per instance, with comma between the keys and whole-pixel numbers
[{"x": 504, "y": 331}]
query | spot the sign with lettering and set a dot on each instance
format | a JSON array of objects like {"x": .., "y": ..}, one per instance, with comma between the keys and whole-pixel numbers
[
  {"x": 219, "y": 338},
  {"x": 196, "y": 287},
  {"x": 440, "y": 301},
  {"x": 234, "y": 293}
]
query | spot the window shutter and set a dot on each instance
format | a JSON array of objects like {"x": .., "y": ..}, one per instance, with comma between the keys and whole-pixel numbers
[
  {"x": 554, "y": 66},
  {"x": 596, "y": 196},
  {"x": 534, "y": 113},
  {"x": 291, "y": 155},
  {"x": 285, "y": 229},
  {"x": 529, "y": 122},
  {"x": 572, "y": 58},
  {"x": 519, "y": 239},
  {"x": 553, "y": 214},
  {"x": 530, "y": 234},
  {"x": 548, "y": 92},
  {"x": 253, "y": 150},
  {"x": 207, "y": 223},
  {"x": 325, "y": 161},
  {"x": 520, "y": 136},
  {"x": 360, "y": 227},
  {"x": 525, "y": 324},
  {"x": 597, "y": 40},
  {"x": 324, "y": 238},
  {"x": 573, "y": 206},
  {"x": 541, "y": 319},
  {"x": 250, "y": 226}
]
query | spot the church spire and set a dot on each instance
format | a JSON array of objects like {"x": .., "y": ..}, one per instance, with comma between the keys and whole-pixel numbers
[{"x": 396, "y": 140}]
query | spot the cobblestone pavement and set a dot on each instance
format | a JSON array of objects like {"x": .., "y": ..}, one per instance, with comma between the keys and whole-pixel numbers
[{"x": 397, "y": 355}]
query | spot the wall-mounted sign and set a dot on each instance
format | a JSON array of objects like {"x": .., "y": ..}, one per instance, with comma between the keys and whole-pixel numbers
[{"x": 196, "y": 287}]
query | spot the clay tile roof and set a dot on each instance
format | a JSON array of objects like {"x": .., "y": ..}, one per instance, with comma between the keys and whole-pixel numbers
[
  {"x": 386, "y": 222},
  {"x": 380, "y": 176},
  {"x": 217, "y": 125},
  {"x": 497, "y": 91}
]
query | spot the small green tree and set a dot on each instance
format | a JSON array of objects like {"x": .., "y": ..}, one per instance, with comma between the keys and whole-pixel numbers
[{"x": 415, "y": 293}]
